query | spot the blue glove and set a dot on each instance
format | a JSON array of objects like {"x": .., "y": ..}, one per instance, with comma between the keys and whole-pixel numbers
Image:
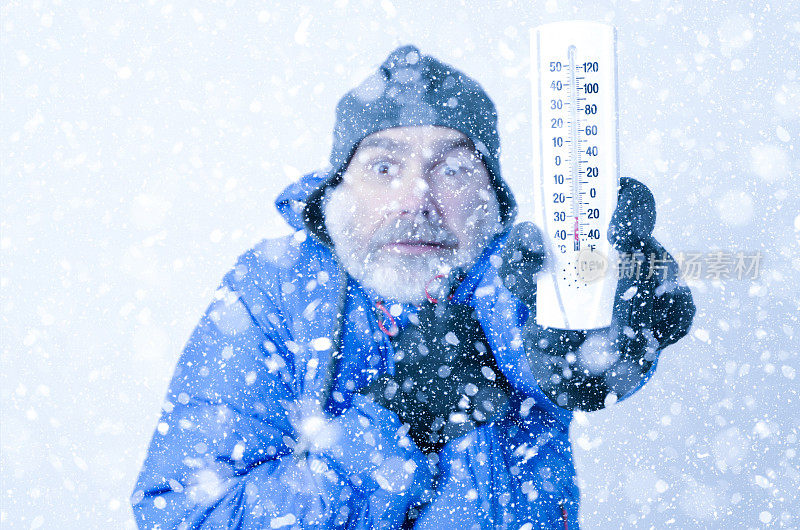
[{"x": 590, "y": 369}]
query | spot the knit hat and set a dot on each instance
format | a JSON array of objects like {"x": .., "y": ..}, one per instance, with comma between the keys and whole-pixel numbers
[{"x": 411, "y": 89}]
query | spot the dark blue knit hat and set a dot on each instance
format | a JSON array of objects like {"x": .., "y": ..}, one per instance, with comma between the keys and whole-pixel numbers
[{"x": 411, "y": 89}]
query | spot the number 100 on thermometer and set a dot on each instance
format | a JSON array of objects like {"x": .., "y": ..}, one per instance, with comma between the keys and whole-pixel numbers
[{"x": 576, "y": 171}]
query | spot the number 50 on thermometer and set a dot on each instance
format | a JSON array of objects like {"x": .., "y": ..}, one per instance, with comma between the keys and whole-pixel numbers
[{"x": 576, "y": 175}]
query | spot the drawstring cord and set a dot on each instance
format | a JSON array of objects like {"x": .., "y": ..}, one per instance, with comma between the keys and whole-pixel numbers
[
  {"x": 428, "y": 295},
  {"x": 393, "y": 330}
]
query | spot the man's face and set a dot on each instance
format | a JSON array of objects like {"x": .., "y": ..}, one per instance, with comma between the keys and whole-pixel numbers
[{"x": 415, "y": 202}]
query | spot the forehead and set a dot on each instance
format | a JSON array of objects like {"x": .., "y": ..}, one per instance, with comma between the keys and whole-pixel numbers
[{"x": 423, "y": 138}]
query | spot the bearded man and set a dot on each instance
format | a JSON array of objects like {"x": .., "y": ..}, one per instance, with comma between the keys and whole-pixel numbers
[{"x": 381, "y": 368}]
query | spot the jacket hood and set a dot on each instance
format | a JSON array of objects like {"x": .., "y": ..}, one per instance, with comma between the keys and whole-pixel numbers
[{"x": 292, "y": 200}]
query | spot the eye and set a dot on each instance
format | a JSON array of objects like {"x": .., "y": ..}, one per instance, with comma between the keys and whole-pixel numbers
[
  {"x": 384, "y": 168},
  {"x": 450, "y": 171},
  {"x": 453, "y": 166}
]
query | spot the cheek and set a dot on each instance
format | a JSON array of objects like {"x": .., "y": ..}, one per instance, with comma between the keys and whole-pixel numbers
[
  {"x": 460, "y": 203},
  {"x": 363, "y": 213}
]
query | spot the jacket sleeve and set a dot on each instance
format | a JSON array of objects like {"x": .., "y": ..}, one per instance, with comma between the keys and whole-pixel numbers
[{"x": 230, "y": 449}]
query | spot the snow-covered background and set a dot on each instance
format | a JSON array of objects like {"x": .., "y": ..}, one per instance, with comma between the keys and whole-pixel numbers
[{"x": 143, "y": 144}]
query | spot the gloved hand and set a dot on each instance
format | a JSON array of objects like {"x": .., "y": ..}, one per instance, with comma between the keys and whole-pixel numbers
[
  {"x": 590, "y": 369},
  {"x": 446, "y": 380}
]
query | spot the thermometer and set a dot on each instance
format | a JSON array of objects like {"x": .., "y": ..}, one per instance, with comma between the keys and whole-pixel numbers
[{"x": 574, "y": 82}]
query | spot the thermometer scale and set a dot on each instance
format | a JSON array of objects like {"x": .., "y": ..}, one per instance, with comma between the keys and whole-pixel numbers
[{"x": 574, "y": 82}]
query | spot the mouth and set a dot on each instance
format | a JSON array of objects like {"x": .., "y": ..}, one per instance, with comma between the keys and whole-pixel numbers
[{"x": 417, "y": 247}]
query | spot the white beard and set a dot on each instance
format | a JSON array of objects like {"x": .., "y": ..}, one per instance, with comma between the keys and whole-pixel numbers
[{"x": 399, "y": 277}]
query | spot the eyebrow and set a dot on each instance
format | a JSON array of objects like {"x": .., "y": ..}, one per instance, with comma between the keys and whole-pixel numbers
[
  {"x": 384, "y": 143},
  {"x": 439, "y": 147},
  {"x": 450, "y": 145}
]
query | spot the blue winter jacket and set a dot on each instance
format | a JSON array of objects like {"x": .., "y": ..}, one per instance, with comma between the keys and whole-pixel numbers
[{"x": 262, "y": 426}]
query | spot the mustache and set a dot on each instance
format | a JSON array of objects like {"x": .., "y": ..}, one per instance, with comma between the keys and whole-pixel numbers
[{"x": 414, "y": 229}]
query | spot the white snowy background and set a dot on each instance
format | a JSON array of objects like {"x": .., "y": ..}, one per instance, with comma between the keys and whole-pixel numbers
[{"x": 143, "y": 144}]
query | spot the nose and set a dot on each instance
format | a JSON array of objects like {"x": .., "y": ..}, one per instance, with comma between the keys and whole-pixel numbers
[{"x": 414, "y": 195}]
